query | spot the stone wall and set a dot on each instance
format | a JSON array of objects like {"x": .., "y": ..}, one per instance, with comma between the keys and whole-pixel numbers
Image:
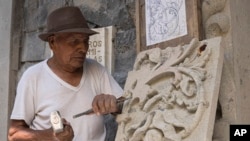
[{"x": 98, "y": 13}]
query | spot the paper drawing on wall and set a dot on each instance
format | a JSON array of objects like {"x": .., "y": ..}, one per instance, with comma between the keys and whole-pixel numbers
[
  {"x": 165, "y": 20},
  {"x": 169, "y": 93}
]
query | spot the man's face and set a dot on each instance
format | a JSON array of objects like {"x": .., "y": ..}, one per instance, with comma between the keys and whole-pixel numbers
[{"x": 70, "y": 49}]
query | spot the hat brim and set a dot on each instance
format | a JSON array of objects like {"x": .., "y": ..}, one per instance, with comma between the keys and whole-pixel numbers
[{"x": 44, "y": 36}]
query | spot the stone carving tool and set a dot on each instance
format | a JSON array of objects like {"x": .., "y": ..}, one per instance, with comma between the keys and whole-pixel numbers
[{"x": 90, "y": 111}]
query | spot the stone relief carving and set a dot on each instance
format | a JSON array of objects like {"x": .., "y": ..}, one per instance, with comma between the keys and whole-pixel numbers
[
  {"x": 215, "y": 21},
  {"x": 167, "y": 94}
]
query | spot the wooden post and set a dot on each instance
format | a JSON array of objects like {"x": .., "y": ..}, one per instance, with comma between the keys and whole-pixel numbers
[{"x": 138, "y": 41}]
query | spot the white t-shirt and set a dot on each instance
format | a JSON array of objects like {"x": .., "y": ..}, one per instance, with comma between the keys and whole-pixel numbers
[{"x": 40, "y": 91}]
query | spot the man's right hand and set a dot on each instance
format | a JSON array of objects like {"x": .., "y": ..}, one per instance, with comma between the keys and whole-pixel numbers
[
  {"x": 19, "y": 130},
  {"x": 67, "y": 134}
]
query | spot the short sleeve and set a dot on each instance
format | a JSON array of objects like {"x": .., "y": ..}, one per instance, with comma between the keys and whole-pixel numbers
[
  {"x": 110, "y": 86},
  {"x": 24, "y": 108},
  {"x": 102, "y": 80}
]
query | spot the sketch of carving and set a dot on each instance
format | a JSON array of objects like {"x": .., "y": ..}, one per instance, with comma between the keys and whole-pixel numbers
[
  {"x": 165, "y": 20},
  {"x": 167, "y": 94}
]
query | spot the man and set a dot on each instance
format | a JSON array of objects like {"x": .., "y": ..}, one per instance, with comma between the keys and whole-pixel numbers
[{"x": 67, "y": 82}]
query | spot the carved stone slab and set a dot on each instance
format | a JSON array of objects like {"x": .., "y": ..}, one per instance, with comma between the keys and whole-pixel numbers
[{"x": 173, "y": 93}]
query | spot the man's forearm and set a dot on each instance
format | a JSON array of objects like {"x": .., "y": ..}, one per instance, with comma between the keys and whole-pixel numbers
[{"x": 27, "y": 134}]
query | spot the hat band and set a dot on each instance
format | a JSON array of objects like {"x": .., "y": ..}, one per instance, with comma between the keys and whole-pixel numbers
[{"x": 68, "y": 26}]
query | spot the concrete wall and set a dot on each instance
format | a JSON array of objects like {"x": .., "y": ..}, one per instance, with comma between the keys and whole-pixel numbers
[
  {"x": 240, "y": 22},
  {"x": 5, "y": 71}
]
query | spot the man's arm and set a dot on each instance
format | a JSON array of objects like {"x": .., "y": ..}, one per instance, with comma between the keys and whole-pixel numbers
[{"x": 20, "y": 131}]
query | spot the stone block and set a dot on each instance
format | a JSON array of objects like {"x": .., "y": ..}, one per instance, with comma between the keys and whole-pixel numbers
[
  {"x": 103, "y": 13},
  {"x": 33, "y": 49},
  {"x": 173, "y": 93}
]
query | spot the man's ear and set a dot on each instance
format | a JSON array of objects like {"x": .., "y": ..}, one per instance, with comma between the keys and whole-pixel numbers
[{"x": 51, "y": 41}]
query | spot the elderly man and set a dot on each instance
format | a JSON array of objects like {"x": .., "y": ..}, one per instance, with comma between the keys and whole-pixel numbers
[{"x": 67, "y": 82}]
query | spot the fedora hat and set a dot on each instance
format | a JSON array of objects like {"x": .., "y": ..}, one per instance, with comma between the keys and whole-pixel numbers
[{"x": 65, "y": 20}]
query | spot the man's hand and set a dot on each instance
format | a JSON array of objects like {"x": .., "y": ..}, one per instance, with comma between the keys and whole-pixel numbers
[
  {"x": 104, "y": 104},
  {"x": 20, "y": 131},
  {"x": 67, "y": 134}
]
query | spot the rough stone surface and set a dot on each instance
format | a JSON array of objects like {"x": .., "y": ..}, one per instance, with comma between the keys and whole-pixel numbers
[
  {"x": 108, "y": 13},
  {"x": 126, "y": 50}
]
